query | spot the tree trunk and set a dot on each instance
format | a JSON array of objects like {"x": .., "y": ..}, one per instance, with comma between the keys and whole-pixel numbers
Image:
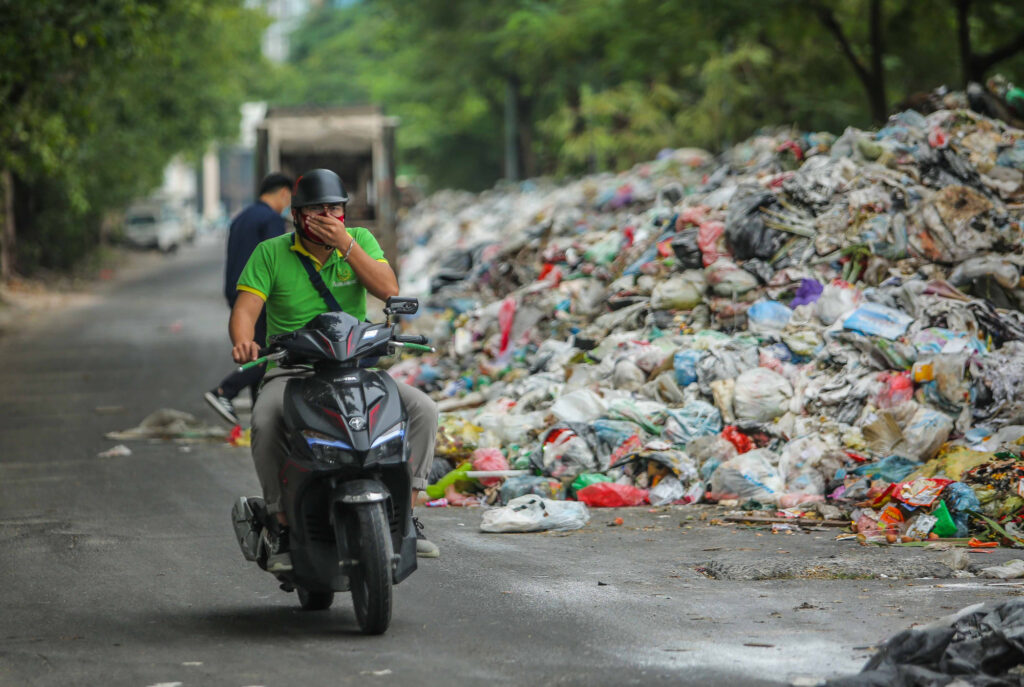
[
  {"x": 7, "y": 230},
  {"x": 963, "y": 36},
  {"x": 512, "y": 165},
  {"x": 876, "y": 89},
  {"x": 524, "y": 136},
  {"x": 873, "y": 79},
  {"x": 975, "y": 65}
]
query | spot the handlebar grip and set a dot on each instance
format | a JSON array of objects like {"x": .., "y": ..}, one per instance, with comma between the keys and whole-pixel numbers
[{"x": 412, "y": 338}]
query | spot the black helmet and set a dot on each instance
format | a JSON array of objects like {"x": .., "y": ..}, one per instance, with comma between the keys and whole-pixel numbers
[{"x": 318, "y": 187}]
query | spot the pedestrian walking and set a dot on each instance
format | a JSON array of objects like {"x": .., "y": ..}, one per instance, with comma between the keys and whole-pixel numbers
[{"x": 262, "y": 220}]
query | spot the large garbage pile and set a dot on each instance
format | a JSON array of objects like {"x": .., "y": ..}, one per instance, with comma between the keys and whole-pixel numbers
[{"x": 804, "y": 322}]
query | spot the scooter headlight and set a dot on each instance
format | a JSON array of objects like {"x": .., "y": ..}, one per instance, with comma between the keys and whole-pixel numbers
[
  {"x": 328, "y": 450},
  {"x": 388, "y": 446}
]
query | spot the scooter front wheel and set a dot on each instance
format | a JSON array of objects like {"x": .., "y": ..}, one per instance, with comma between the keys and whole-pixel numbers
[
  {"x": 314, "y": 601},
  {"x": 371, "y": 579}
]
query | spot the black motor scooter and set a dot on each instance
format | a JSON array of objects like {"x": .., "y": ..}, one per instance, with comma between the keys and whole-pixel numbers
[{"x": 346, "y": 483}]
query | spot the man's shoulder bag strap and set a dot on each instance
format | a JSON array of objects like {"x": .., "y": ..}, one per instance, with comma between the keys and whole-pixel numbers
[{"x": 319, "y": 285}]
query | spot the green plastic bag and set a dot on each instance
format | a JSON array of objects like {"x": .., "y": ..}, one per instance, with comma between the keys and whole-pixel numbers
[
  {"x": 587, "y": 478},
  {"x": 944, "y": 527}
]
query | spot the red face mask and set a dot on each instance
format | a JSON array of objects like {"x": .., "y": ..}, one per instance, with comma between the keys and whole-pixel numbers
[{"x": 307, "y": 232}]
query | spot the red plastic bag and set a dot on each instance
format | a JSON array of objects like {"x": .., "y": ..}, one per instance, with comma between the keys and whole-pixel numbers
[
  {"x": 738, "y": 439},
  {"x": 611, "y": 495},
  {"x": 489, "y": 459},
  {"x": 506, "y": 317},
  {"x": 921, "y": 492}
]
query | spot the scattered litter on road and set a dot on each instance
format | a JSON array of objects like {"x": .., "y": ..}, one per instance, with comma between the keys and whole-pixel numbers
[
  {"x": 119, "y": 450},
  {"x": 169, "y": 424}
]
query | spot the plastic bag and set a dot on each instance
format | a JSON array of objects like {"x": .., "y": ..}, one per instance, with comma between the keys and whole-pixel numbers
[
  {"x": 696, "y": 419},
  {"x": 582, "y": 405},
  {"x": 535, "y": 514},
  {"x": 726, "y": 279},
  {"x": 738, "y": 439},
  {"x": 709, "y": 236},
  {"x": 489, "y": 459},
  {"x": 685, "y": 365},
  {"x": 921, "y": 492},
  {"x": 809, "y": 292},
  {"x": 668, "y": 490},
  {"x": 898, "y": 389},
  {"x": 761, "y": 395},
  {"x": 926, "y": 433},
  {"x": 874, "y": 319},
  {"x": 804, "y": 461},
  {"x": 587, "y": 478},
  {"x": 676, "y": 293},
  {"x": 837, "y": 299},
  {"x": 515, "y": 487},
  {"x": 960, "y": 498},
  {"x": 749, "y": 476},
  {"x": 566, "y": 454},
  {"x": 890, "y": 469},
  {"x": 612, "y": 495},
  {"x": 687, "y": 249},
  {"x": 745, "y": 229},
  {"x": 768, "y": 317}
]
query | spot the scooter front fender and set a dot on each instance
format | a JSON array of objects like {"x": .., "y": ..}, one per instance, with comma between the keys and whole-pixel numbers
[{"x": 361, "y": 491}]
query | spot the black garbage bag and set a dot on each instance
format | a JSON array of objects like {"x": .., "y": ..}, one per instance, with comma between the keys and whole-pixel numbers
[
  {"x": 745, "y": 230},
  {"x": 760, "y": 269},
  {"x": 687, "y": 251},
  {"x": 977, "y": 647}
]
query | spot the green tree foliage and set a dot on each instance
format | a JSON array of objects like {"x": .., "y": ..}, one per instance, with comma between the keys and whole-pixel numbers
[
  {"x": 99, "y": 95},
  {"x": 600, "y": 84}
]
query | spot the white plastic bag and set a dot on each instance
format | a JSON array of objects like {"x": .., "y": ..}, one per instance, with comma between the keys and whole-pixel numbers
[
  {"x": 582, "y": 405},
  {"x": 761, "y": 395},
  {"x": 669, "y": 489},
  {"x": 531, "y": 513},
  {"x": 925, "y": 433},
  {"x": 837, "y": 299},
  {"x": 749, "y": 475}
]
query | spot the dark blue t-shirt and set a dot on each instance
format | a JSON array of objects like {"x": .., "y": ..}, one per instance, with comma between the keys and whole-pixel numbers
[{"x": 256, "y": 223}]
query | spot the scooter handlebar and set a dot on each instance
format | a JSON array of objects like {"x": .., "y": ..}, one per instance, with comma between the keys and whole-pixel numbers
[{"x": 411, "y": 338}]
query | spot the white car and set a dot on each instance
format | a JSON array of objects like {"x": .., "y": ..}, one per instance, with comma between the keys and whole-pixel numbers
[{"x": 155, "y": 226}]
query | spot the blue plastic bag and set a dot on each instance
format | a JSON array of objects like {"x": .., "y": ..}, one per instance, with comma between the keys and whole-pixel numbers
[
  {"x": 697, "y": 419},
  {"x": 685, "y": 364},
  {"x": 768, "y": 317},
  {"x": 874, "y": 319},
  {"x": 891, "y": 469},
  {"x": 960, "y": 498}
]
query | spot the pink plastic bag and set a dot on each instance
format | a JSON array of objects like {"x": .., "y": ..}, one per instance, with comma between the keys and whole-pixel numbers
[
  {"x": 489, "y": 459},
  {"x": 611, "y": 495},
  {"x": 506, "y": 318},
  {"x": 899, "y": 388},
  {"x": 708, "y": 239}
]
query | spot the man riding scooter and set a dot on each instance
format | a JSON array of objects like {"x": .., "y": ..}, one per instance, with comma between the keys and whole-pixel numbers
[{"x": 298, "y": 276}]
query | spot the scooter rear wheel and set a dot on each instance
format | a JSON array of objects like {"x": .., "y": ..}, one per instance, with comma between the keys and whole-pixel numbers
[
  {"x": 314, "y": 601},
  {"x": 371, "y": 580}
]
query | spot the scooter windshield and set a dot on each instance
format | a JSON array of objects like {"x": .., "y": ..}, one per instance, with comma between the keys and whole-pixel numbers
[{"x": 334, "y": 336}]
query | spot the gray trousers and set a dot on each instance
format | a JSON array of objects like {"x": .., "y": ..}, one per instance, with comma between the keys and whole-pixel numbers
[{"x": 270, "y": 440}]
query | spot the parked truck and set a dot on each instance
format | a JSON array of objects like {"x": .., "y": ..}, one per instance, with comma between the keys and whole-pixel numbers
[{"x": 356, "y": 142}]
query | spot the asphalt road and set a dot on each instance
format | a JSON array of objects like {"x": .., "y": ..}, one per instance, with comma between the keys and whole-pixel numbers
[{"x": 124, "y": 570}]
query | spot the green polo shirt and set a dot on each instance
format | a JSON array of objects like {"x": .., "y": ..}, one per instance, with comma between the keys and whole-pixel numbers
[{"x": 275, "y": 274}]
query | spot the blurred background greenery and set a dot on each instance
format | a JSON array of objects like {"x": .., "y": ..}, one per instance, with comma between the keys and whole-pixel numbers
[{"x": 98, "y": 96}]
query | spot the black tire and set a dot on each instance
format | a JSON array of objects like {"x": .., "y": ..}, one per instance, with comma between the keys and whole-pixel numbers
[
  {"x": 314, "y": 601},
  {"x": 371, "y": 579}
]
